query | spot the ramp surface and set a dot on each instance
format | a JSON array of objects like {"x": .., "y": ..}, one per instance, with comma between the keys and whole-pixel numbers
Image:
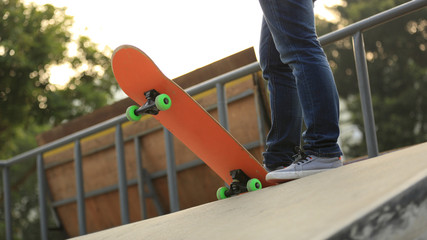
[{"x": 380, "y": 198}]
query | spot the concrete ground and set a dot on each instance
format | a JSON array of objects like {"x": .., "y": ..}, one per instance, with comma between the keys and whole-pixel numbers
[{"x": 380, "y": 198}]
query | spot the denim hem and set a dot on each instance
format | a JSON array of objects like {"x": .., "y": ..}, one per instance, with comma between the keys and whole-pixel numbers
[
  {"x": 320, "y": 154},
  {"x": 272, "y": 161}
]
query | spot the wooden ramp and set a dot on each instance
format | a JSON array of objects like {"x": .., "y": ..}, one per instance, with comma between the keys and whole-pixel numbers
[{"x": 380, "y": 198}]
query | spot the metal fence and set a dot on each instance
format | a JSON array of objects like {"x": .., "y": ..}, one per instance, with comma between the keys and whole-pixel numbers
[{"x": 354, "y": 30}]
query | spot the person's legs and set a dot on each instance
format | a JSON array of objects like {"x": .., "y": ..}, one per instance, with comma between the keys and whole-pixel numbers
[
  {"x": 291, "y": 24},
  {"x": 286, "y": 115}
]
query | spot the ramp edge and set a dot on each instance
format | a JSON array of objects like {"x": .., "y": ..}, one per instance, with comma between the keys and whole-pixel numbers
[{"x": 402, "y": 217}]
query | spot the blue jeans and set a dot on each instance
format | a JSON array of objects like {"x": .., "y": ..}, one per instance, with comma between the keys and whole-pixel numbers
[{"x": 300, "y": 82}]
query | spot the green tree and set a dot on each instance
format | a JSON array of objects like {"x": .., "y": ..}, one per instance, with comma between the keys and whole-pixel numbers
[
  {"x": 32, "y": 39},
  {"x": 396, "y": 55}
]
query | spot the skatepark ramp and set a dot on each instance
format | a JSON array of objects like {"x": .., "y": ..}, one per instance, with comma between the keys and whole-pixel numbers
[
  {"x": 98, "y": 172},
  {"x": 380, "y": 198}
]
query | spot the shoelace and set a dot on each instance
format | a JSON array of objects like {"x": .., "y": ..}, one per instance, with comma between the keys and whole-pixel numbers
[{"x": 300, "y": 157}]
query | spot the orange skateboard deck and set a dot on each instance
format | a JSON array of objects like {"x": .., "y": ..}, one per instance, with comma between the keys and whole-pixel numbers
[{"x": 136, "y": 74}]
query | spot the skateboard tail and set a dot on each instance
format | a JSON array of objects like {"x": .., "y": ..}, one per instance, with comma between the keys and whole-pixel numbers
[{"x": 145, "y": 71}]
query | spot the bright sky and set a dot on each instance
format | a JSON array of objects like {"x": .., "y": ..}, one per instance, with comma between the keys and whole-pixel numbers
[{"x": 180, "y": 36}]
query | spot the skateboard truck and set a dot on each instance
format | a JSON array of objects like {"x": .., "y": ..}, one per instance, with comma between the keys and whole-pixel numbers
[
  {"x": 241, "y": 183},
  {"x": 150, "y": 106},
  {"x": 156, "y": 102}
]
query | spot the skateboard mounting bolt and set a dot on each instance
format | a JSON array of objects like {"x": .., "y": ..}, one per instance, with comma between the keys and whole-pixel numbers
[{"x": 151, "y": 95}]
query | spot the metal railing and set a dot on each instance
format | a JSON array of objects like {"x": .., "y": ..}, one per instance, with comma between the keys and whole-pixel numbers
[{"x": 354, "y": 30}]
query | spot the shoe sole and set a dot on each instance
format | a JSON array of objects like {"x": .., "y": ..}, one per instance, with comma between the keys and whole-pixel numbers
[{"x": 281, "y": 177}]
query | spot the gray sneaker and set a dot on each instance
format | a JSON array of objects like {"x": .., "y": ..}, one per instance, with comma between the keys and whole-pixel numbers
[{"x": 303, "y": 166}]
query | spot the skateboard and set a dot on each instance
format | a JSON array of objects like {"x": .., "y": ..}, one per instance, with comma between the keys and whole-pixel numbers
[{"x": 143, "y": 82}]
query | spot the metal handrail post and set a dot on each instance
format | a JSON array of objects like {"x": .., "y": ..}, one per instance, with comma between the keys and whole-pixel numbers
[
  {"x": 365, "y": 94},
  {"x": 7, "y": 203},
  {"x": 121, "y": 168},
  {"x": 141, "y": 177},
  {"x": 171, "y": 172},
  {"x": 81, "y": 209},
  {"x": 222, "y": 105},
  {"x": 42, "y": 196}
]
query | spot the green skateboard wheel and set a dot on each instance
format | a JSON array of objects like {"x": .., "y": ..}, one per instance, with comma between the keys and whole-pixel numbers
[
  {"x": 253, "y": 185},
  {"x": 130, "y": 113},
  {"x": 163, "y": 102},
  {"x": 220, "y": 193}
]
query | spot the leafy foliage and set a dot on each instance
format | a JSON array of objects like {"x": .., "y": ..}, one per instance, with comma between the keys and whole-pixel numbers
[{"x": 32, "y": 40}]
